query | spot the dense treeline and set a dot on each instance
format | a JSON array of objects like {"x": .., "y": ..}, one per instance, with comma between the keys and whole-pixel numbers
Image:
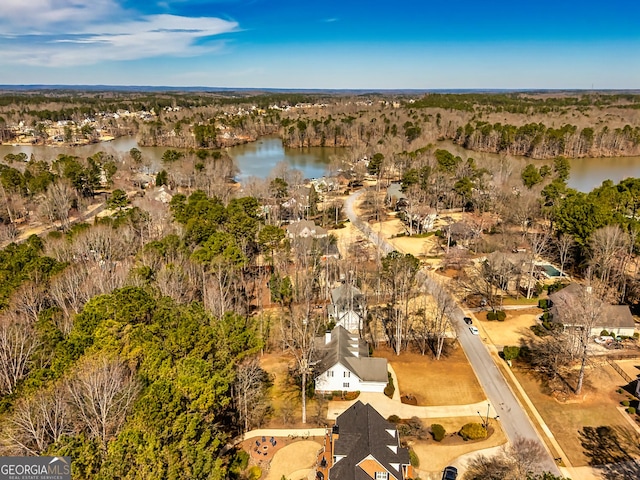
[
  {"x": 123, "y": 348},
  {"x": 536, "y": 140},
  {"x": 491, "y": 122},
  {"x": 523, "y": 103}
]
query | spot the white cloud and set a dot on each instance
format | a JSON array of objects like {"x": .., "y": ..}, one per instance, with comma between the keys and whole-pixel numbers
[
  {"x": 85, "y": 32},
  {"x": 21, "y": 17}
]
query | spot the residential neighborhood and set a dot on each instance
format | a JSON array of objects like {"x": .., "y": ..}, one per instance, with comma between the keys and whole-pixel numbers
[{"x": 402, "y": 308}]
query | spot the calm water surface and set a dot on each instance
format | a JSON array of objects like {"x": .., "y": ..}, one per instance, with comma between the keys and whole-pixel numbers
[
  {"x": 586, "y": 173},
  {"x": 258, "y": 159},
  {"x": 255, "y": 159}
]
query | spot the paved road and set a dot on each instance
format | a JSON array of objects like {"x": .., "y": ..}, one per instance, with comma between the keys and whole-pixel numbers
[{"x": 503, "y": 402}]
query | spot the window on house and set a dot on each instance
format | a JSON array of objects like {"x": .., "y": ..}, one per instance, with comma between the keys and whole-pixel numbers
[
  {"x": 382, "y": 475},
  {"x": 347, "y": 374},
  {"x": 330, "y": 373},
  {"x": 345, "y": 385}
]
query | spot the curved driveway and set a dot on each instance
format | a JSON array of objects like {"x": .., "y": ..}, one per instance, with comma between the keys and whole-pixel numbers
[{"x": 504, "y": 404}]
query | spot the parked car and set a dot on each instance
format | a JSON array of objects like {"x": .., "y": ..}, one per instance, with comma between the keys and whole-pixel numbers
[
  {"x": 450, "y": 473},
  {"x": 468, "y": 320},
  {"x": 474, "y": 330}
]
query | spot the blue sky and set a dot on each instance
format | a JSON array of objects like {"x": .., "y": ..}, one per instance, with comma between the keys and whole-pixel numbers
[{"x": 323, "y": 44}]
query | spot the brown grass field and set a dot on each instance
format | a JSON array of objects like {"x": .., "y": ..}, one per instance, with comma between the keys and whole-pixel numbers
[
  {"x": 434, "y": 456},
  {"x": 449, "y": 381},
  {"x": 598, "y": 407},
  {"x": 509, "y": 332}
]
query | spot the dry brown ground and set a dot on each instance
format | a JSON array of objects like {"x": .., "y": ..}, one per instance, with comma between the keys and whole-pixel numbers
[
  {"x": 285, "y": 396},
  {"x": 434, "y": 456},
  {"x": 418, "y": 247},
  {"x": 509, "y": 332},
  {"x": 598, "y": 407},
  {"x": 449, "y": 381}
]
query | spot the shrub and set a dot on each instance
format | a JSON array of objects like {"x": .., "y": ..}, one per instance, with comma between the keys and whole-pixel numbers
[
  {"x": 492, "y": 316},
  {"x": 545, "y": 316},
  {"x": 554, "y": 287},
  {"x": 239, "y": 462},
  {"x": 255, "y": 473},
  {"x": 538, "y": 289},
  {"x": 539, "y": 330},
  {"x": 619, "y": 390},
  {"x": 636, "y": 335},
  {"x": 543, "y": 303},
  {"x": 393, "y": 418},
  {"x": 438, "y": 432},
  {"x": 413, "y": 459},
  {"x": 510, "y": 352},
  {"x": 389, "y": 390},
  {"x": 604, "y": 333},
  {"x": 501, "y": 315},
  {"x": 625, "y": 403},
  {"x": 631, "y": 410},
  {"x": 351, "y": 395},
  {"x": 473, "y": 431}
]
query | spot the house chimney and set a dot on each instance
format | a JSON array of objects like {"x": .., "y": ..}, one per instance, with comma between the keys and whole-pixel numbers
[{"x": 327, "y": 337}]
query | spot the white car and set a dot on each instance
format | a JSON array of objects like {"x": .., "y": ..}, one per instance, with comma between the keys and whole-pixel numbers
[{"x": 474, "y": 330}]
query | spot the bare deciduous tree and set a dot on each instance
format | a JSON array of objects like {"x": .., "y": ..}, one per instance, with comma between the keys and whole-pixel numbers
[
  {"x": 301, "y": 326},
  {"x": 433, "y": 321},
  {"x": 69, "y": 291},
  {"x": 564, "y": 245},
  {"x": 249, "y": 393},
  {"x": 56, "y": 203},
  {"x": 38, "y": 421},
  {"x": 518, "y": 461},
  {"x": 18, "y": 342},
  {"x": 30, "y": 299},
  {"x": 608, "y": 246},
  {"x": 101, "y": 392}
]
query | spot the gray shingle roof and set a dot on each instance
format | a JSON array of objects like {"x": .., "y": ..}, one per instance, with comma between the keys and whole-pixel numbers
[
  {"x": 296, "y": 228},
  {"x": 613, "y": 316},
  {"x": 356, "y": 358},
  {"x": 362, "y": 432},
  {"x": 346, "y": 294}
]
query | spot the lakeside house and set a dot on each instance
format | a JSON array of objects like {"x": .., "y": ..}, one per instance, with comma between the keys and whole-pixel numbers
[
  {"x": 343, "y": 364},
  {"x": 364, "y": 446}
]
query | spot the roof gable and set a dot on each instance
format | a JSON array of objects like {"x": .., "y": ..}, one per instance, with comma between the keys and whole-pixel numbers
[{"x": 363, "y": 423}]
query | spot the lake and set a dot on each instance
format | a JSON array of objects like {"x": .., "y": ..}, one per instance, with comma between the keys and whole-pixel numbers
[
  {"x": 259, "y": 158},
  {"x": 586, "y": 173},
  {"x": 255, "y": 159}
]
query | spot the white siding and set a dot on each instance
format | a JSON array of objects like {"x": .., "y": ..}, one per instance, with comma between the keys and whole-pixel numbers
[
  {"x": 350, "y": 320},
  {"x": 336, "y": 382},
  {"x": 622, "y": 331}
]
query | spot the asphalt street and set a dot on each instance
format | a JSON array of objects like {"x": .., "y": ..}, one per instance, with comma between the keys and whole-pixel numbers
[{"x": 503, "y": 403}]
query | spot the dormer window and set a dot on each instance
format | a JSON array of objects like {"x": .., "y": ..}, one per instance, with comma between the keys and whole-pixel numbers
[{"x": 382, "y": 475}]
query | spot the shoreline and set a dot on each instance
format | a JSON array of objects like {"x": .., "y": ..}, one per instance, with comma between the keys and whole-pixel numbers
[{"x": 449, "y": 144}]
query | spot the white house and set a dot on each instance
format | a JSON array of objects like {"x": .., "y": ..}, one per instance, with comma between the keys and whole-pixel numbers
[
  {"x": 343, "y": 364},
  {"x": 347, "y": 307}
]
